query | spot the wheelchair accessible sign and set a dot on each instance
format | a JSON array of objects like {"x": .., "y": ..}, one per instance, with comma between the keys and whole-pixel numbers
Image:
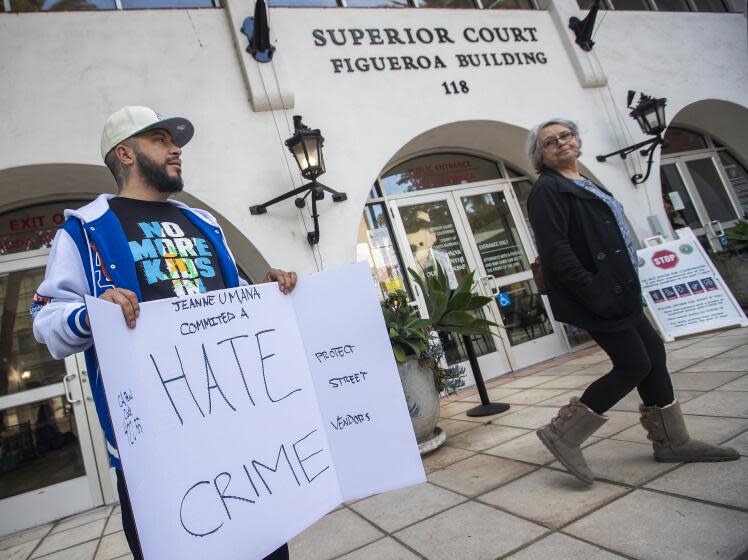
[{"x": 503, "y": 299}]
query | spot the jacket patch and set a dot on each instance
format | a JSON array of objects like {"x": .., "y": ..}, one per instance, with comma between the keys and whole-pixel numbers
[
  {"x": 102, "y": 278},
  {"x": 37, "y": 304}
]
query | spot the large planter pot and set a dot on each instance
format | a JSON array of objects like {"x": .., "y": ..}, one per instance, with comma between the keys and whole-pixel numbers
[
  {"x": 421, "y": 397},
  {"x": 734, "y": 271}
]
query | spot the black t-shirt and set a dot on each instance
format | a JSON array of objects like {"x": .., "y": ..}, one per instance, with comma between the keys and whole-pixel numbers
[{"x": 172, "y": 258}]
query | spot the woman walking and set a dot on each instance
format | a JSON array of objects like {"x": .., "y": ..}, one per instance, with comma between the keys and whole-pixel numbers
[{"x": 589, "y": 267}]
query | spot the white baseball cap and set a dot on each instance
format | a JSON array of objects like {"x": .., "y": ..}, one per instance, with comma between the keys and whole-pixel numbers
[{"x": 133, "y": 120}]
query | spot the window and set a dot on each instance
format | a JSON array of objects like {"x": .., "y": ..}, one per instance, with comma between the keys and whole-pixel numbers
[
  {"x": 672, "y": 5},
  {"x": 710, "y": 6},
  {"x": 377, "y": 4},
  {"x": 28, "y": 229},
  {"x": 738, "y": 177},
  {"x": 705, "y": 177},
  {"x": 524, "y": 314},
  {"x": 377, "y": 246},
  {"x": 631, "y": 5},
  {"x": 680, "y": 140},
  {"x": 438, "y": 170},
  {"x": 60, "y": 5},
  {"x": 84, "y": 5},
  {"x": 469, "y": 4},
  {"x": 148, "y": 4},
  {"x": 453, "y": 4},
  {"x": 302, "y": 3},
  {"x": 496, "y": 234},
  {"x": 507, "y": 4},
  {"x": 678, "y": 205},
  {"x": 704, "y": 186},
  {"x": 522, "y": 192},
  {"x": 735, "y": 6}
]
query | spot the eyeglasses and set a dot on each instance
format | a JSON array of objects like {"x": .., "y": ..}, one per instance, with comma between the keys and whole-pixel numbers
[{"x": 554, "y": 142}]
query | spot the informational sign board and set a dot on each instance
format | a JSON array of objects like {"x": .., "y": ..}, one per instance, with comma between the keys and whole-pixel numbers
[
  {"x": 242, "y": 416},
  {"x": 683, "y": 289}
]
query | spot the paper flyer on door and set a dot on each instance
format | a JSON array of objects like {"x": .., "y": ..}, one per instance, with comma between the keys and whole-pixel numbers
[{"x": 242, "y": 416}]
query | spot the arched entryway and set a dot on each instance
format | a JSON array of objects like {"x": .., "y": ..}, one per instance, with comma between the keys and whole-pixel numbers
[
  {"x": 54, "y": 460},
  {"x": 456, "y": 195},
  {"x": 704, "y": 171}
]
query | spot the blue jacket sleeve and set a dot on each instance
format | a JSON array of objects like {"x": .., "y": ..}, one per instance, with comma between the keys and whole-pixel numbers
[{"x": 58, "y": 310}]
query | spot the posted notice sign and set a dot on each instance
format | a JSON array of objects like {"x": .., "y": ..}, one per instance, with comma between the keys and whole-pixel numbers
[
  {"x": 242, "y": 416},
  {"x": 683, "y": 289}
]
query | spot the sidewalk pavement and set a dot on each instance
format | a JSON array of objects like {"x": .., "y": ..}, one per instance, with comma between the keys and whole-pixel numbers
[{"x": 494, "y": 492}]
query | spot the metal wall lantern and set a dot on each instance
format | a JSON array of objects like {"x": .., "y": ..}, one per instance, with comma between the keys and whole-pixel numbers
[
  {"x": 306, "y": 147},
  {"x": 650, "y": 114}
]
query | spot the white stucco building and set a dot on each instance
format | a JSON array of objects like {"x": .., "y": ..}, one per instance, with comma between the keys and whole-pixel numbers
[{"x": 425, "y": 113}]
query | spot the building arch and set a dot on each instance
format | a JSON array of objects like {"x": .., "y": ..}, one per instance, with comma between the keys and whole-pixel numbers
[
  {"x": 496, "y": 140},
  {"x": 37, "y": 185},
  {"x": 703, "y": 171},
  {"x": 437, "y": 194},
  {"x": 487, "y": 139},
  {"x": 723, "y": 120}
]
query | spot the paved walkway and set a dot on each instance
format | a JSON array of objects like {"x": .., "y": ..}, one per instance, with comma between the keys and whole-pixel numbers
[{"x": 495, "y": 493}]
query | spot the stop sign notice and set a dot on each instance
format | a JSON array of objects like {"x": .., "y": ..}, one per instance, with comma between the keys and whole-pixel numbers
[{"x": 664, "y": 259}]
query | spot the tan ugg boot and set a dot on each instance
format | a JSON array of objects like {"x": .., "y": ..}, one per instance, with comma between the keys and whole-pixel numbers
[
  {"x": 672, "y": 444},
  {"x": 566, "y": 432}
]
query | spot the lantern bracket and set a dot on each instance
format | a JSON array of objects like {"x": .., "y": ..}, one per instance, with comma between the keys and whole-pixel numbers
[
  {"x": 310, "y": 160},
  {"x": 646, "y": 104},
  {"x": 623, "y": 152},
  {"x": 317, "y": 190}
]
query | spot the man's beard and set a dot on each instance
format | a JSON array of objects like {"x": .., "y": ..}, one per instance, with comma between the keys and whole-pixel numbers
[{"x": 157, "y": 176}]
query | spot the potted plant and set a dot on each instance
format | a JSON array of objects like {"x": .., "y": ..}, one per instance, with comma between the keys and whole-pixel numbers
[
  {"x": 418, "y": 352},
  {"x": 732, "y": 263}
]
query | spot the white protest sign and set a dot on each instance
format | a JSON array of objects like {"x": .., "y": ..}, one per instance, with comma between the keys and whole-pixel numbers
[
  {"x": 683, "y": 289},
  {"x": 357, "y": 382},
  {"x": 242, "y": 416}
]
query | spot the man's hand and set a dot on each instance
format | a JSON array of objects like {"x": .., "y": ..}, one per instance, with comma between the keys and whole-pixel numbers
[
  {"x": 286, "y": 280},
  {"x": 127, "y": 300}
]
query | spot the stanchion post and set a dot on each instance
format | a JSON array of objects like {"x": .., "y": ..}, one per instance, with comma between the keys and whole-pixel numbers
[{"x": 486, "y": 408}]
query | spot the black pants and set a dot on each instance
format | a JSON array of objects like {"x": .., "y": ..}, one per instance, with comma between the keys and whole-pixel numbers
[
  {"x": 639, "y": 360},
  {"x": 128, "y": 524}
]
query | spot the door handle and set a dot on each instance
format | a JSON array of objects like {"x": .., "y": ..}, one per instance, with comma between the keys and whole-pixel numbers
[
  {"x": 487, "y": 278},
  {"x": 719, "y": 231},
  {"x": 68, "y": 393}
]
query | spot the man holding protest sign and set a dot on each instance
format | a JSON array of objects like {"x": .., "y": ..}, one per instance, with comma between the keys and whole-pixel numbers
[{"x": 133, "y": 247}]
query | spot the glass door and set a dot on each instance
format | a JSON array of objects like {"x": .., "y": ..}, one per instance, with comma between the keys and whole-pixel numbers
[
  {"x": 481, "y": 228},
  {"x": 696, "y": 196},
  {"x": 502, "y": 248},
  {"x": 47, "y": 464},
  {"x": 429, "y": 230}
]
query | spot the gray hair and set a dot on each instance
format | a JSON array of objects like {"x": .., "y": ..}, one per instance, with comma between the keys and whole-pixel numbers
[{"x": 534, "y": 151}]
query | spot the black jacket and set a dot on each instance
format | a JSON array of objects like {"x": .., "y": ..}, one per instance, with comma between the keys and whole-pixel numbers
[{"x": 588, "y": 273}]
